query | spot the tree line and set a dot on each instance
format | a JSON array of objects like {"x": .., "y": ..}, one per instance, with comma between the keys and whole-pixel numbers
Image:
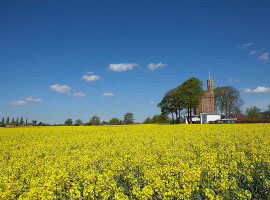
[
  {"x": 255, "y": 113},
  {"x": 95, "y": 120},
  {"x": 16, "y": 121}
]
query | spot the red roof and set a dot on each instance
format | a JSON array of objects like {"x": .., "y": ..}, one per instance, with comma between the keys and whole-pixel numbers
[{"x": 235, "y": 115}]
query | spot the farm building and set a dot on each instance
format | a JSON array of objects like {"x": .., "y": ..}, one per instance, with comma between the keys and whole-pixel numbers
[
  {"x": 204, "y": 118},
  {"x": 235, "y": 116}
]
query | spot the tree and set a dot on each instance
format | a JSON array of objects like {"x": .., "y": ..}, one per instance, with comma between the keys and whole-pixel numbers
[
  {"x": 26, "y": 121},
  {"x": 7, "y": 121},
  {"x": 147, "y": 121},
  {"x": 68, "y": 122},
  {"x": 253, "y": 112},
  {"x": 21, "y": 121},
  {"x": 189, "y": 95},
  {"x": 168, "y": 104},
  {"x": 13, "y": 121},
  {"x": 266, "y": 114},
  {"x": 3, "y": 120},
  {"x": 17, "y": 120},
  {"x": 95, "y": 120},
  {"x": 162, "y": 118},
  {"x": 128, "y": 118},
  {"x": 228, "y": 100},
  {"x": 114, "y": 121},
  {"x": 78, "y": 122}
]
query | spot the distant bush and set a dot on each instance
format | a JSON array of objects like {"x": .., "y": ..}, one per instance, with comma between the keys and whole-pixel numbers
[
  {"x": 252, "y": 121},
  {"x": 114, "y": 121},
  {"x": 2, "y": 124}
]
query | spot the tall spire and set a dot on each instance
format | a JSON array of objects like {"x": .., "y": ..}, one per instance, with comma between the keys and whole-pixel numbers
[{"x": 209, "y": 74}]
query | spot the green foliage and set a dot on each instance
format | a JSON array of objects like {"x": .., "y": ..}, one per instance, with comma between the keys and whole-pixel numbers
[
  {"x": 68, "y": 122},
  {"x": 128, "y": 118},
  {"x": 114, "y": 121},
  {"x": 2, "y": 124},
  {"x": 228, "y": 100},
  {"x": 253, "y": 113},
  {"x": 189, "y": 95},
  {"x": 266, "y": 114},
  {"x": 88, "y": 124},
  {"x": 21, "y": 121},
  {"x": 3, "y": 120},
  {"x": 147, "y": 121},
  {"x": 170, "y": 105},
  {"x": 78, "y": 122},
  {"x": 7, "y": 121},
  {"x": 162, "y": 118},
  {"x": 95, "y": 120},
  {"x": 13, "y": 121}
]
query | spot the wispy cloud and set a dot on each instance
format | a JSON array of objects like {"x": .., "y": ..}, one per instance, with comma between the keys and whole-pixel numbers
[
  {"x": 90, "y": 78},
  {"x": 244, "y": 46},
  {"x": 79, "y": 94},
  {"x": 31, "y": 99},
  {"x": 18, "y": 103},
  {"x": 258, "y": 90},
  {"x": 252, "y": 53},
  {"x": 60, "y": 88},
  {"x": 122, "y": 67},
  {"x": 151, "y": 102},
  {"x": 153, "y": 66},
  {"x": 234, "y": 80},
  {"x": 264, "y": 56},
  {"x": 107, "y": 94},
  {"x": 90, "y": 72}
]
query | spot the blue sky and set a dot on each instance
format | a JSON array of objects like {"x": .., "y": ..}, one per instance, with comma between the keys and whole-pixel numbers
[{"x": 76, "y": 59}]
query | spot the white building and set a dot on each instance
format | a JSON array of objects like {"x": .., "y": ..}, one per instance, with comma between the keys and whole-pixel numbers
[{"x": 204, "y": 118}]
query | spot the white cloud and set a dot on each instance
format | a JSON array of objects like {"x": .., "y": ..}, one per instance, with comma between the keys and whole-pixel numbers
[
  {"x": 244, "y": 46},
  {"x": 234, "y": 80},
  {"x": 153, "y": 66},
  {"x": 264, "y": 56},
  {"x": 79, "y": 94},
  {"x": 90, "y": 78},
  {"x": 18, "y": 103},
  {"x": 122, "y": 67},
  {"x": 60, "y": 88},
  {"x": 257, "y": 90},
  {"x": 152, "y": 102},
  {"x": 32, "y": 99},
  {"x": 252, "y": 53},
  {"x": 107, "y": 94}
]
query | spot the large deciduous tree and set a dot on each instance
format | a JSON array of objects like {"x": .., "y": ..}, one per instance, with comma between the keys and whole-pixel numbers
[
  {"x": 128, "y": 118},
  {"x": 253, "y": 112},
  {"x": 114, "y": 121},
  {"x": 168, "y": 104},
  {"x": 189, "y": 95},
  {"x": 78, "y": 122},
  {"x": 228, "y": 100},
  {"x": 95, "y": 120},
  {"x": 186, "y": 96},
  {"x": 68, "y": 122}
]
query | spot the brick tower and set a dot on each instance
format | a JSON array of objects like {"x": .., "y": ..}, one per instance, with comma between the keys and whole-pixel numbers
[{"x": 207, "y": 104}]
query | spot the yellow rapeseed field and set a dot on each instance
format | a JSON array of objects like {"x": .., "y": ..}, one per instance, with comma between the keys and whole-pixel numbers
[{"x": 136, "y": 162}]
